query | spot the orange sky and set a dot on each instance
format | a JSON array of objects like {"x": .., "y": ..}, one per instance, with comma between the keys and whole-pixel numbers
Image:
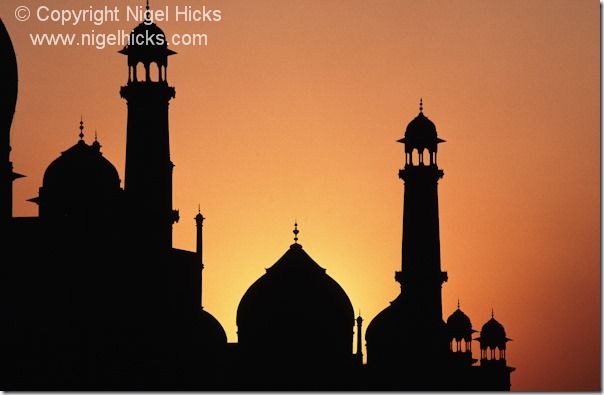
[{"x": 292, "y": 112}]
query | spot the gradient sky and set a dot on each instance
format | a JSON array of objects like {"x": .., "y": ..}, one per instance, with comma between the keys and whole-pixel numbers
[{"x": 292, "y": 112}]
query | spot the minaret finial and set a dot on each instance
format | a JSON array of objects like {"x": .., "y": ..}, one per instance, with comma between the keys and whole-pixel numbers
[
  {"x": 421, "y": 105},
  {"x": 492, "y": 313},
  {"x": 95, "y": 136},
  {"x": 81, "y": 135},
  {"x": 147, "y": 5},
  {"x": 296, "y": 231},
  {"x": 199, "y": 209},
  {"x": 457, "y": 304}
]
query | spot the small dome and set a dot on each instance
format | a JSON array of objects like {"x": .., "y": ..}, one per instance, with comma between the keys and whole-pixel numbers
[
  {"x": 209, "y": 330},
  {"x": 421, "y": 134},
  {"x": 151, "y": 32},
  {"x": 493, "y": 335},
  {"x": 81, "y": 164},
  {"x": 400, "y": 330},
  {"x": 388, "y": 325},
  {"x": 459, "y": 326},
  {"x": 421, "y": 128},
  {"x": 148, "y": 43}
]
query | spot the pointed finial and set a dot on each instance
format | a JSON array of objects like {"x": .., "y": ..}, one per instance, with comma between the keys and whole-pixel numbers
[
  {"x": 95, "y": 136},
  {"x": 421, "y": 105},
  {"x": 199, "y": 217},
  {"x": 147, "y": 5},
  {"x": 81, "y": 135},
  {"x": 457, "y": 304},
  {"x": 296, "y": 231},
  {"x": 492, "y": 313}
]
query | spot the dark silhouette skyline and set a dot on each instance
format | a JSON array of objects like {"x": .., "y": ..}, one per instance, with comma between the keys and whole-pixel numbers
[{"x": 125, "y": 311}]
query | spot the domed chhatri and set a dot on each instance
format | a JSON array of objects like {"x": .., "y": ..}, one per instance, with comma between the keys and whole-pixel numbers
[
  {"x": 421, "y": 135},
  {"x": 492, "y": 337},
  {"x": 147, "y": 44},
  {"x": 79, "y": 177},
  {"x": 460, "y": 329},
  {"x": 295, "y": 305}
]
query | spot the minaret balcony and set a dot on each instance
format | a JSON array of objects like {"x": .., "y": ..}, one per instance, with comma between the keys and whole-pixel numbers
[{"x": 410, "y": 172}]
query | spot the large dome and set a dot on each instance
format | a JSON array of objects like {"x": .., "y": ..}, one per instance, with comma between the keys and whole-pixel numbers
[
  {"x": 295, "y": 288},
  {"x": 294, "y": 320},
  {"x": 9, "y": 85}
]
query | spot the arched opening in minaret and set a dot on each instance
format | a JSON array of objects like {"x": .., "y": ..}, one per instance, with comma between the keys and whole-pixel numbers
[
  {"x": 414, "y": 157},
  {"x": 140, "y": 72},
  {"x": 426, "y": 157},
  {"x": 155, "y": 72}
]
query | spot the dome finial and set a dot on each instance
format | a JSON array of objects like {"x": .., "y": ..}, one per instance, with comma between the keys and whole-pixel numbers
[
  {"x": 296, "y": 231},
  {"x": 81, "y": 135},
  {"x": 492, "y": 313},
  {"x": 147, "y": 5},
  {"x": 421, "y": 105},
  {"x": 457, "y": 304},
  {"x": 199, "y": 209}
]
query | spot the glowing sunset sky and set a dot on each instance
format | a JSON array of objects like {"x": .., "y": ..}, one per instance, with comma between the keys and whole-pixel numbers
[{"x": 293, "y": 111}]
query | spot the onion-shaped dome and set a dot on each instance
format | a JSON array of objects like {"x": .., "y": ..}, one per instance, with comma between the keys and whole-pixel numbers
[
  {"x": 296, "y": 305},
  {"x": 421, "y": 133},
  {"x": 492, "y": 335},
  {"x": 79, "y": 180},
  {"x": 459, "y": 326}
]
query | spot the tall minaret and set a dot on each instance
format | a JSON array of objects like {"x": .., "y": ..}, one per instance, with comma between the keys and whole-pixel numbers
[
  {"x": 199, "y": 250},
  {"x": 8, "y": 95},
  {"x": 148, "y": 183},
  {"x": 421, "y": 277}
]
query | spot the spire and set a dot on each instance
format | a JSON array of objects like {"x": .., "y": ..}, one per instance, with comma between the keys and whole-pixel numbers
[
  {"x": 147, "y": 14},
  {"x": 81, "y": 135},
  {"x": 296, "y": 231},
  {"x": 421, "y": 105}
]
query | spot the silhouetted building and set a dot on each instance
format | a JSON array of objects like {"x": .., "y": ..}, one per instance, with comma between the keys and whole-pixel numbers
[
  {"x": 96, "y": 297},
  {"x": 409, "y": 346}
]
